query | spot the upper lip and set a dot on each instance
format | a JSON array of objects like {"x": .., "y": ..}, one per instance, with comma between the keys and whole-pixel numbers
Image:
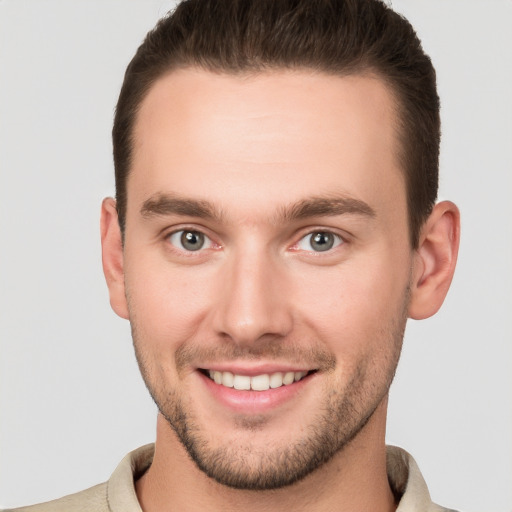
[{"x": 253, "y": 370}]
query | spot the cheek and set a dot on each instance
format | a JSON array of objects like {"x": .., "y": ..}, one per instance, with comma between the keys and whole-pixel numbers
[
  {"x": 165, "y": 303},
  {"x": 354, "y": 306}
]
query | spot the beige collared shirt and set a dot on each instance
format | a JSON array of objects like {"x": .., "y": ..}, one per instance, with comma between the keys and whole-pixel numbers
[{"x": 118, "y": 494}]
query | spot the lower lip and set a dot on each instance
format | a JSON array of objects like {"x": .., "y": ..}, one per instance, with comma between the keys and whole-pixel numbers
[{"x": 255, "y": 402}]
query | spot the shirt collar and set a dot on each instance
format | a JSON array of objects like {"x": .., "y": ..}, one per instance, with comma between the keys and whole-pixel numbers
[{"x": 404, "y": 477}]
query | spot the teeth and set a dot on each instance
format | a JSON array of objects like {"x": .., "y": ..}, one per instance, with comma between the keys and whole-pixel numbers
[
  {"x": 262, "y": 382},
  {"x": 276, "y": 380},
  {"x": 227, "y": 379},
  {"x": 288, "y": 378},
  {"x": 241, "y": 382}
]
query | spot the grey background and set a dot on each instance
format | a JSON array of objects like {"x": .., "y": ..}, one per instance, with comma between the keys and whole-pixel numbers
[{"x": 71, "y": 399}]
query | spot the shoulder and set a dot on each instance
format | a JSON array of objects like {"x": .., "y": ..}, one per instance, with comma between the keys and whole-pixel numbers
[
  {"x": 407, "y": 483},
  {"x": 116, "y": 495},
  {"x": 93, "y": 499}
]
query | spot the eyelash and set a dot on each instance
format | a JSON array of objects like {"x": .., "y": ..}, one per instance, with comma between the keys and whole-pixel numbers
[
  {"x": 189, "y": 230},
  {"x": 337, "y": 241}
]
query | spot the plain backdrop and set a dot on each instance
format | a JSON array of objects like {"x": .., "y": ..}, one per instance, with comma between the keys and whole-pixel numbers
[{"x": 72, "y": 403}]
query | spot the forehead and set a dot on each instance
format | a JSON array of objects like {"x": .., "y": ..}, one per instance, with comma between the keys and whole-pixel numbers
[{"x": 269, "y": 136}]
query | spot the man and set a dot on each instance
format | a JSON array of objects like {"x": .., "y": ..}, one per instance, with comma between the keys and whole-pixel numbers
[{"x": 274, "y": 227}]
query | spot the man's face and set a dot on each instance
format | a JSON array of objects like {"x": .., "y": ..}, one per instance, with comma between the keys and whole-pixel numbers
[{"x": 267, "y": 245}]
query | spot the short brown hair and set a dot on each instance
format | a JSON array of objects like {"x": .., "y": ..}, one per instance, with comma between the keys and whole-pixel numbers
[{"x": 338, "y": 37}]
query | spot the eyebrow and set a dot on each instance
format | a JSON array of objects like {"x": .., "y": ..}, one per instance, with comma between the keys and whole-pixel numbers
[
  {"x": 165, "y": 204},
  {"x": 326, "y": 207}
]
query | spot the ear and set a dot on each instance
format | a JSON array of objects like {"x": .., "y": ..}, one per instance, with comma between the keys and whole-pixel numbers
[
  {"x": 434, "y": 261},
  {"x": 112, "y": 256}
]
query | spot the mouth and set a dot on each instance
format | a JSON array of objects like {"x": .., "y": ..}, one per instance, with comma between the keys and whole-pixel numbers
[{"x": 262, "y": 382}]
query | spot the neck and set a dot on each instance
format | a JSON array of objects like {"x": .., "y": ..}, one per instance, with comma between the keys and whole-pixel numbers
[{"x": 355, "y": 479}]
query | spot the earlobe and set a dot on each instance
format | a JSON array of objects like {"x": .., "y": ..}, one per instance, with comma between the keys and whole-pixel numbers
[
  {"x": 435, "y": 259},
  {"x": 112, "y": 256}
]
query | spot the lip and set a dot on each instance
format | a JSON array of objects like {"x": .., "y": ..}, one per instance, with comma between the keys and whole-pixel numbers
[
  {"x": 254, "y": 402},
  {"x": 252, "y": 371}
]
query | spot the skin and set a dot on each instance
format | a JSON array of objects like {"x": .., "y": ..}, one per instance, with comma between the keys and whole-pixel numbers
[{"x": 235, "y": 158}]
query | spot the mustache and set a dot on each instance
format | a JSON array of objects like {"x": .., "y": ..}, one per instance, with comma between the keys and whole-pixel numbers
[{"x": 274, "y": 351}]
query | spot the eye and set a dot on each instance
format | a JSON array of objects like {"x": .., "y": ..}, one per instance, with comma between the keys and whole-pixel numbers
[
  {"x": 189, "y": 240},
  {"x": 319, "y": 241}
]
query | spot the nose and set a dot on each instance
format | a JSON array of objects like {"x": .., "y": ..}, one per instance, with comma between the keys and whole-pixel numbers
[{"x": 253, "y": 303}]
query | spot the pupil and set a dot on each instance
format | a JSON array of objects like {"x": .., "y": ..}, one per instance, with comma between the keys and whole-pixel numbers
[
  {"x": 192, "y": 240},
  {"x": 322, "y": 241}
]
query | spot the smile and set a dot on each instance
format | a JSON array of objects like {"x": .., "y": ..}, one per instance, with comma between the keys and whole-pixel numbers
[{"x": 262, "y": 382}]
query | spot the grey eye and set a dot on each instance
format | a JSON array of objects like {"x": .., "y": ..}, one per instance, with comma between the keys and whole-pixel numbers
[
  {"x": 189, "y": 240},
  {"x": 319, "y": 241}
]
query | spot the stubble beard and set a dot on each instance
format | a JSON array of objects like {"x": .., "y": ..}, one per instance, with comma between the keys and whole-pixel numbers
[{"x": 341, "y": 417}]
